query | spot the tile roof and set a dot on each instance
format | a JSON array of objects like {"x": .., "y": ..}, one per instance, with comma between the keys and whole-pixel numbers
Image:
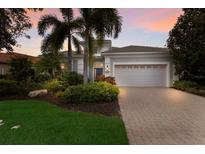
[{"x": 6, "y": 57}]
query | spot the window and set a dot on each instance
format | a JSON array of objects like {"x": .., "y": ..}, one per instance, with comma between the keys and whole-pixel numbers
[{"x": 3, "y": 71}]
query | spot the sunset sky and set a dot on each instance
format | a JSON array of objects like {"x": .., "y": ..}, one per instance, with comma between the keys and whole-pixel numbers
[{"x": 148, "y": 27}]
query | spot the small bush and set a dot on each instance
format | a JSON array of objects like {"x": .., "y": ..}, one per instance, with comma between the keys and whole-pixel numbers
[
  {"x": 8, "y": 87},
  {"x": 41, "y": 77},
  {"x": 71, "y": 79},
  {"x": 53, "y": 85},
  {"x": 191, "y": 87},
  {"x": 59, "y": 94},
  {"x": 91, "y": 93},
  {"x": 108, "y": 79},
  {"x": 29, "y": 85},
  {"x": 183, "y": 85}
]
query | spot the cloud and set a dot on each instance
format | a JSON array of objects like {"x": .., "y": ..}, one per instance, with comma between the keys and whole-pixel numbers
[
  {"x": 159, "y": 20},
  {"x": 35, "y": 16}
]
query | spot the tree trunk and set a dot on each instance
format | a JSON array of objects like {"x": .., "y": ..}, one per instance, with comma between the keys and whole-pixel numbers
[
  {"x": 85, "y": 61},
  {"x": 69, "y": 54},
  {"x": 91, "y": 68}
]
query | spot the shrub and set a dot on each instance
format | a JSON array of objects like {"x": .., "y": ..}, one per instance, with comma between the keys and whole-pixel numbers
[
  {"x": 183, "y": 85},
  {"x": 29, "y": 85},
  {"x": 53, "y": 85},
  {"x": 41, "y": 77},
  {"x": 59, "y": 94},
  {"x": 108, "y": 79},
  {"x": 71, "y": 79},
  {"x": 91, "y": 93},
  {"x": 8, "y": 87},
  {"x": 21, "y": 69}
]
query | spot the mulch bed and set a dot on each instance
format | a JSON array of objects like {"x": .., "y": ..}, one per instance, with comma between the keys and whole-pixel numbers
[{"x": 106, "y": 109}]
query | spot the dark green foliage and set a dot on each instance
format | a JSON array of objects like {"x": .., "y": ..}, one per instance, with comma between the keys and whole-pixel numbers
[
  {"x": 11, "y": 87},
  {"x": 21, "y": 69},
  {"x": 42, "y": 77},
  {"x": 190, "y": 86},
  {"x": 72, "y": 78},
  {"x": 91, "y": 93},
  {"x": 187, "y": 45},
  {"x": 29, "y": 85},
  {"x": 13, "y": 24},
  {"x": 183, "y": 85},
  {"x": 49, "y": 63},
  {"x": 8, "y": 87}
]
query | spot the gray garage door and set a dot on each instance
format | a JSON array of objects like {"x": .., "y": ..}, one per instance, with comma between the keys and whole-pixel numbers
[{"x": 141, "y": 75}]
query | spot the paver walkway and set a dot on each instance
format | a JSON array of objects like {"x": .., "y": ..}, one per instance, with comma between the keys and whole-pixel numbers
[{"x": 162, "y": 116}]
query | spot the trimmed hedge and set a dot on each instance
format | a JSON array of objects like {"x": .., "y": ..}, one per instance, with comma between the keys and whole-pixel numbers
[
  {"x": 91, "y": 93},
  {"x": 8, "y": 87}
]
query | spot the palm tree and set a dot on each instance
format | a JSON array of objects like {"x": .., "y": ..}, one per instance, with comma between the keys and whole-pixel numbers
[
  {"x": 99, "y": 23},
  {"x": 61, "y": 30}
]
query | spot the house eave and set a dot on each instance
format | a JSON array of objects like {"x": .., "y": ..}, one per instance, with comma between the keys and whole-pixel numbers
[{"x": 134, "y": 53}]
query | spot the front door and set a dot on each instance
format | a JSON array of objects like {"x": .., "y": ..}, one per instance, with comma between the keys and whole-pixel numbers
[{"x": 98, "y": 72}]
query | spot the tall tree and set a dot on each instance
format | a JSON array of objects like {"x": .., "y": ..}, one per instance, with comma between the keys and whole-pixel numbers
[
  {"x": 99, "y": 23},
  {"x": 61, "y": 31},
  {"x": 186, "y": 43},
  {"x": 13, "y": 24}
]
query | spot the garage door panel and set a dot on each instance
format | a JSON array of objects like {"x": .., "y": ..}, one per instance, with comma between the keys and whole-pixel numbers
[{"x": 141, "y": 75}]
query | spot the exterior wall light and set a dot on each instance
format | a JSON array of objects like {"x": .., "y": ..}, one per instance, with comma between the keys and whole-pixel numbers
[
  {"x": 107, "y": 69},
  {"x": 62, "y": 66}
]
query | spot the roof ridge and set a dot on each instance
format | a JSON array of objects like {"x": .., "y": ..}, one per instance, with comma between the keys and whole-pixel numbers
[
  {"x": 10, "y": 53},
  {"x": 143, "y": 46}
]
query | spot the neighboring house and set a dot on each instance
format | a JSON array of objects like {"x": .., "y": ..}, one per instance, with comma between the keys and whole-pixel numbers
[
  {"x": 139, "y": 66},
  {"x": 5, "y": 59}
]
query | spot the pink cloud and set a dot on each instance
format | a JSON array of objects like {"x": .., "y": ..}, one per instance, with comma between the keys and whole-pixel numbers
[
  {"x": 35, "y": 16},
  {"x": 160, "y": 20}
]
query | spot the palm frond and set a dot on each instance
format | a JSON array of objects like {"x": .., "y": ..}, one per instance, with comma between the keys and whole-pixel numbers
[
  {"x": 46, "y": 22},
  {"x": 107, "y": 22},
  {"x": 56, "y": 39},
  {"x": 76, "y": 44},
  {"x": 67, "y": 14},
  {"x": 77, "y": 24}
]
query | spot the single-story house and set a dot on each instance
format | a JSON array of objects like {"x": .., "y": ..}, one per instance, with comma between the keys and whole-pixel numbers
[
  {"x": 140, "y": 66},
  {"x": 5, "y": 59}
]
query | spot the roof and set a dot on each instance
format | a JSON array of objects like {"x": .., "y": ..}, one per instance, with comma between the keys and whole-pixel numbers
[
  {"x": 6, "y": 57},
  {"x": 133, "y": 48}
]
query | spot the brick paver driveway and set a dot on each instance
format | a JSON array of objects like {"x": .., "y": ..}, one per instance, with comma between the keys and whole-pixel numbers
[{"x": 162, "y": 116}]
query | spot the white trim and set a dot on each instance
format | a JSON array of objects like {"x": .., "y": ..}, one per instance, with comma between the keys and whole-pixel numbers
[
  {"x": 134, "y": 53},
  {"x": 150, "y": 63}
]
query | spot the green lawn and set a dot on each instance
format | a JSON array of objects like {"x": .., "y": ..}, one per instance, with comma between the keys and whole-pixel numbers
[{"x": 44, "y": 123}]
